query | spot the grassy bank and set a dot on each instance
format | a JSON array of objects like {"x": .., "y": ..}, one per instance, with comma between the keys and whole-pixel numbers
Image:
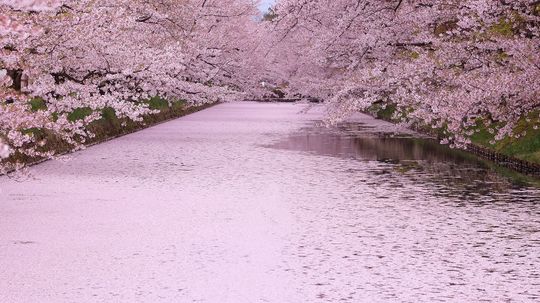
[
  {"x": 526, "y": 147},
  {"x": 110, "y": 126}
]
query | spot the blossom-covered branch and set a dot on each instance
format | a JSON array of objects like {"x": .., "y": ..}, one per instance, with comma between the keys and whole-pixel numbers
[
  {"x": 449, "y": 63},
  {"x": 101, "y": 54}
]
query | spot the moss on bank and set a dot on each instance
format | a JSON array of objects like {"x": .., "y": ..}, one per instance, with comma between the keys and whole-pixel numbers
[{"x": 525, "y": 147}]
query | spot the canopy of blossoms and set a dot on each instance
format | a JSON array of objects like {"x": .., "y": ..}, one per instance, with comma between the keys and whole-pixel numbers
[
  {"x": 451, "y": 63},
  {"x": 113, "y": 54}
]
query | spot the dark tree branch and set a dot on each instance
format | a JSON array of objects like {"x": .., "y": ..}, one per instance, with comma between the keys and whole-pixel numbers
[{"x": 398, "y": 5}]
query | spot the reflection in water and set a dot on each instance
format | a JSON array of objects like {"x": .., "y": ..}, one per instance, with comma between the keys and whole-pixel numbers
[
  {"x": 383, "y": 148},
  {"x": 449, "y": 172}
]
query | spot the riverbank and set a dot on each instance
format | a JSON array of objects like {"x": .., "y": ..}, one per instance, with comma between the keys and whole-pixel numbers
[
  {"x": 107, "y": 128},
  {"x": 521, "y": 154}
]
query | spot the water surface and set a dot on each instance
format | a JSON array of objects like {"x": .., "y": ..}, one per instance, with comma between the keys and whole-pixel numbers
[{"x": 249, "y": 202}]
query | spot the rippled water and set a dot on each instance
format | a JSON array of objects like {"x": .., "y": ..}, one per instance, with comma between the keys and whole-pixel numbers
[
  {"x": 249, "y": 202},
  {"x": 418, "y": 221}
]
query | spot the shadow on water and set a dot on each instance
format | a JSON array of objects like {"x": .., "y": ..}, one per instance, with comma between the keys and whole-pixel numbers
[{"x": 451, "y": 172}]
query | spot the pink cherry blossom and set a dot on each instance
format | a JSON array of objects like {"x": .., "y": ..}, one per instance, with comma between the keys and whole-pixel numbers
[
  {"x": 114, "y": 54},
  {"x": 451, "y": 63},
  {"x": 443, "y": 62}
]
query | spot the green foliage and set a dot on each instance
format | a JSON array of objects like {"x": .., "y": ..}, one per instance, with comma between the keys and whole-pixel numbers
[
  {"x": 504, "y": 28},
  {"x": 387, "y": 112},
  {"x": 482, "y": 136},
  {"x": 157, "y": 103},
  {"x": 54, "y": 117},
  {"x": 109, "y": 114},
  {"x": 178, "y": 104},
  {"x": 408, "y": 54},
  {"x": 79, "y": 114},
  {"x": 526, "y": 147},
  {"x": 37, "y": 104},
  {"x": 33, "y": 131}
]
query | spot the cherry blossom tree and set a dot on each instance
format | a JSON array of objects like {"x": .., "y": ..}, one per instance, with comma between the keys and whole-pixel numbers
[
  {"x": 447, "y": 63},
  {"x": 115, "y": 54},
  {"x": 14, "y": 29},
  {"x": 451, "y": 64}
]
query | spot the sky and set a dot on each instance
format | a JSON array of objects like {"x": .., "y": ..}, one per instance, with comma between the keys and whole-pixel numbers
[{"x": 265, "y": 4}]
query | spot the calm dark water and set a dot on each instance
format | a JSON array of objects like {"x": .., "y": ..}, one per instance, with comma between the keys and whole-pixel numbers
[{"x": 455, "y": 173}]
